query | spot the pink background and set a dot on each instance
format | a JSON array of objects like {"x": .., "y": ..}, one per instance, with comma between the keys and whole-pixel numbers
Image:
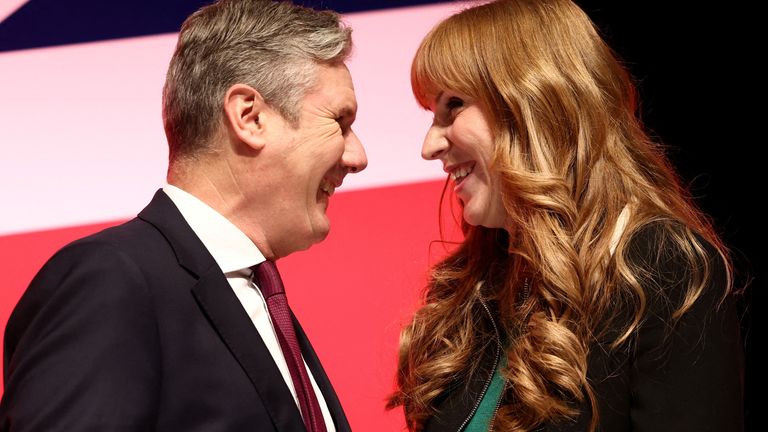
[{"x": 83, "y": 148}]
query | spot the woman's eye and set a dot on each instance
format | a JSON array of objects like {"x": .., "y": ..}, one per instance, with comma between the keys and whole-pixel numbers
[{"x": 454, "y": 103}]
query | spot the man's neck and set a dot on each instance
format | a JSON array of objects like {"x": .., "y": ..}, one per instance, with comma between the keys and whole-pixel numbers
[{"x": 215, "y": 186}]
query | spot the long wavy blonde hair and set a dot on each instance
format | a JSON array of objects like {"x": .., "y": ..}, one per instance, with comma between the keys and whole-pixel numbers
[{"x": 571, "y": 154}]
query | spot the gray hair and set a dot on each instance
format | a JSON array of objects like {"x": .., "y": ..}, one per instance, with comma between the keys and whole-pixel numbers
[{"x": 272, "y": 46}]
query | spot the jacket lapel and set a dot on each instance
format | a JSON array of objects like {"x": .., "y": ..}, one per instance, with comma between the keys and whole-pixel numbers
[
  {"x": 313, "y": 362},
  {"x": 225, "y": 313}
]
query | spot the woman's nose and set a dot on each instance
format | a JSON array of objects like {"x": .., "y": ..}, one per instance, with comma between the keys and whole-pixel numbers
[{"x": 435, "y": 143}]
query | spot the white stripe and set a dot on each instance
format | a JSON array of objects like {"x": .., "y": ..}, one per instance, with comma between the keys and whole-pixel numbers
[{"x": 81, "y": 134}]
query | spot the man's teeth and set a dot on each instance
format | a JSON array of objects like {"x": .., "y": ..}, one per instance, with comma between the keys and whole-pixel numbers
[
  {"x": 327, "y": 187},
  {"x": 460, "y": 173}
]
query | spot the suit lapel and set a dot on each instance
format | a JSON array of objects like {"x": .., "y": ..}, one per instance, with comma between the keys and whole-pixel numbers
[
  {"x": 225, "y": 313},
  {"x": 313, "y": 362}
]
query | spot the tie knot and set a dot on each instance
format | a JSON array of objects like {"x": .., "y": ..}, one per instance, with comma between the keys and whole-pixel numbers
[{"x": 268, "y": 278}]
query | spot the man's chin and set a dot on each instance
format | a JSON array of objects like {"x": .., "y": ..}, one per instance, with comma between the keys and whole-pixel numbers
[
  {"x": 305, "y": 236},
  {"x": 320, "y": 231},
  {"x": 319, "y": 227}
]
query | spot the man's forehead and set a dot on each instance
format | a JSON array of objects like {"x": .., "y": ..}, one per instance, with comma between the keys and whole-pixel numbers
[{"x": 339, "y": 93}]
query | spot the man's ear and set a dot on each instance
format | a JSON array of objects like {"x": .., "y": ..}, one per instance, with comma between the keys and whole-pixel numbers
[{"x": 244, "y": 110}]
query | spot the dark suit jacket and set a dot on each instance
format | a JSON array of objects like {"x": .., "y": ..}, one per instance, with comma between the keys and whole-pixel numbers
[
  {"x": 682, "y": 377},
  {"x": 136, "y": 329}
]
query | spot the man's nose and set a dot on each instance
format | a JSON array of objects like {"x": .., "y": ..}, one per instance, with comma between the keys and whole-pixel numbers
[{"x": 354, "y": 158}]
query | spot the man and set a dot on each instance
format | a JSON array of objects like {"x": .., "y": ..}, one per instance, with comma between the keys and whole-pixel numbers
[{"x": 167, "y": 322}]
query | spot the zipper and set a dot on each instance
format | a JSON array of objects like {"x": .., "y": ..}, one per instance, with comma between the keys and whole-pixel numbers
[
  {"x": 496, "y": 410},
  {"x": 526, "y": 293},
  {"x": 490, "y": 377}
]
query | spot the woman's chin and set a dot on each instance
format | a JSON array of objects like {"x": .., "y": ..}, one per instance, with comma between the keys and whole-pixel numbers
[
  {"x": 472, "y": 217},
  {"x": 482, "y": 218}
]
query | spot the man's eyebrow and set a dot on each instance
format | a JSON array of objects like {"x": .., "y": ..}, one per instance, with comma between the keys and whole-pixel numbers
[{"x": 346, "y": 111}]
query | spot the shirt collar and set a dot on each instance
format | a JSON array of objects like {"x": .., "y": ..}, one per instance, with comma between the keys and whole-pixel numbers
[{"x": 229, "y": 246}]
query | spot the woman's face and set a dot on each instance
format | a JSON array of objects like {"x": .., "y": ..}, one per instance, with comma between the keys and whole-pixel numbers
[{"x": 460, "y": 137}]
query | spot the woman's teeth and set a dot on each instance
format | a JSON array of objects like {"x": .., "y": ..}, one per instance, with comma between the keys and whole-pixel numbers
[{"x": 460, "y": 173}]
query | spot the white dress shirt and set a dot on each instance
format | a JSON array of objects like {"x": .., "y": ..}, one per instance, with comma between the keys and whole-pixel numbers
[{"x": 235, "y": 254}]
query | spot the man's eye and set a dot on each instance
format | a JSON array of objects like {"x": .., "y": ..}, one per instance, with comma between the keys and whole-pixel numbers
[{"x": 342, "y": 124}]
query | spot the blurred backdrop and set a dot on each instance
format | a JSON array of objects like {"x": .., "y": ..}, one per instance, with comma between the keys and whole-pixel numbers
[{"x": 82, "y": 148}]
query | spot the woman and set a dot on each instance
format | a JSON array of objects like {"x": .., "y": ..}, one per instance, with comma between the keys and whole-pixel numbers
[{"x": 589, "y": 292}]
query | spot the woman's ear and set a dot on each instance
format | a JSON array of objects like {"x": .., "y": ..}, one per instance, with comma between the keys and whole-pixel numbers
[{"x": 244, "y": 110}]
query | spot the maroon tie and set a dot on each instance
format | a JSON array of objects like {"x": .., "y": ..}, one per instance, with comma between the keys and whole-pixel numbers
[{"x": 268, "y": 279}]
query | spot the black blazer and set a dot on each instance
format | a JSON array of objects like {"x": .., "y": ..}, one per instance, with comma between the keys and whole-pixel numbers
[
  {"x": 136, "y": 329},
  {"x": 686, "y": 377}
]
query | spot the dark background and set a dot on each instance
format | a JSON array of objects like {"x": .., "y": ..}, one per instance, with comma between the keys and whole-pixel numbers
[{"x": 695, "y": 64}]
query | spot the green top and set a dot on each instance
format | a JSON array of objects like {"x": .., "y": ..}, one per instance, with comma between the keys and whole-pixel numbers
[{"x": 481, "y": 421}]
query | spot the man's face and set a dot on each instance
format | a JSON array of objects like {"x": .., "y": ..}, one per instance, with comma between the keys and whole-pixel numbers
[{"x": 315, "y": 156}]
